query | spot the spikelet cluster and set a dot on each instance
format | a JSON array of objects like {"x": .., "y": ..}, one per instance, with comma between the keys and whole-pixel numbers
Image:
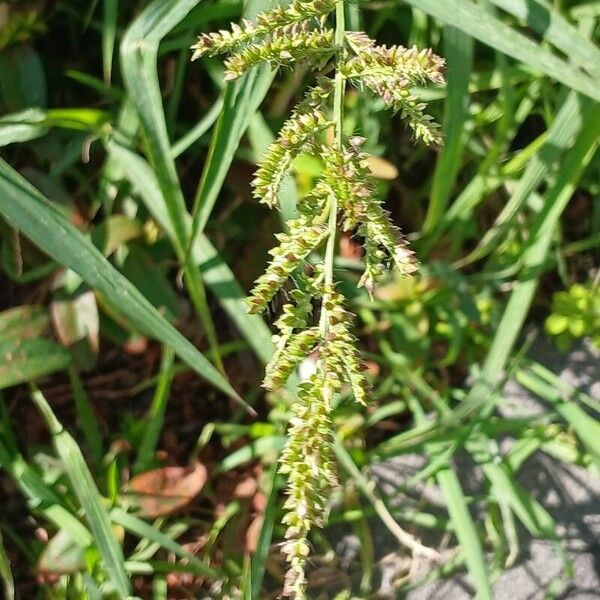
[
  {"x": 307, "y": 457},
  {"x": 298, "y": 135},
  {"x": 301, "y": 239},
  {"x": 314, "y": 322},
  {"x": 347, "y": 176},
  {"x": 307, "y": 461},
  {"x": 307, "y": 12},
  {"x": 286, "y": 46},
  {"x": 280, "y": 36}
]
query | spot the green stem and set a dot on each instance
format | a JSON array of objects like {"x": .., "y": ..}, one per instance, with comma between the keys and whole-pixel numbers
[
  {"x": 197, "y": 292},
  {"x": 338, "y": 119}
]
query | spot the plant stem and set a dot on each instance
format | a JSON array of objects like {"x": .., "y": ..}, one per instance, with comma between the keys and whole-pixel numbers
[
  {"x": 338, "y": 119},
  {"x": 197, "y": 292}
]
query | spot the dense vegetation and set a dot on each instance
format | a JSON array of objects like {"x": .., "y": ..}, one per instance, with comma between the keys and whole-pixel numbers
[{"x": 139, "y": 451}]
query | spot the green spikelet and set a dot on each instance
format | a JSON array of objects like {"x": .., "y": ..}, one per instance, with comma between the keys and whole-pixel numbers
[
  {"x": 307, "y": 462},
  {"x": 339, "y": 354},
  {"x": 297, "y": 349},
  {"x": 391, "y": 73}
]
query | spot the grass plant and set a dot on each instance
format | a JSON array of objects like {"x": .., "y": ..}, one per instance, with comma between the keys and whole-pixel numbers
[{"x": 142, "y": 452}]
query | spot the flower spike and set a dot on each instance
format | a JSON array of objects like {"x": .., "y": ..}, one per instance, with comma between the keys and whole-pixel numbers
[{"x": 345, "y": 193}]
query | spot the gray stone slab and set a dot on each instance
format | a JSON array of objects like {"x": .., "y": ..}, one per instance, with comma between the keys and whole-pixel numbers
[{"x": 569, "y": 493}]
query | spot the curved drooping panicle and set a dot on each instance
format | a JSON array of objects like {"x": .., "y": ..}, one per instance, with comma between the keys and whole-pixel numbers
[
  {"x": 348, "y": 177},
  {"x": 391, "y": 73}
]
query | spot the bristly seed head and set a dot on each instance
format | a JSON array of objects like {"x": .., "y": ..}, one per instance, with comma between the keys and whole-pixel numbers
[{"x": 284, "y": 36}]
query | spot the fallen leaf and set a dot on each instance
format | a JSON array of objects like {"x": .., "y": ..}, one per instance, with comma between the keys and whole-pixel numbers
[
  {"x": 23, "y": 322},
  {"x": 75, "y": 318},
  {"x": 246, "y": 487},
  {"x": 349, "y": 248},
  {"x": 165, "y": 490},
  {"x": 381, "y": 168},
  {"x": 253, "y": 533}
]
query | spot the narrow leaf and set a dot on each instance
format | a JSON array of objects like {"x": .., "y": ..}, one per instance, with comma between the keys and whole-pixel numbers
[
  {"x": 89, "y": 497},
  {"x": 458, "y": 50},
  {"x": 28, "y": 210},
  {"x": 474, "y": 20}
]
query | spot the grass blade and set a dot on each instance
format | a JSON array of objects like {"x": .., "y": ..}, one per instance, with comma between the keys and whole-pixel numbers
[
  {"x": 156, "y": 414},
  {"x": 89, "y": 497},
  {"x": 196, "y": 132},
  {"x": 458, "y": 509},
  {"x": 109, "y": 34},
  {"x": 86, "y": 417},
  {"x": 6, "y": 573},
  {"x": 565, "y": 126},
  {"x": 561, "y": 397},
  {"x": 29, "y": 211},
  {"x": 465, "y": 530},
  {"x": 215, "y": 272},
  {"x": 532, "y": 260},
  {"x": 259, "y": 558},
  {"x": 23, "y": 126},
  {"x": 29, "y": 359},
  {"x": 143, "y": 530},
  {"x": 139, "y": 52},
  {"x": 39, "y": 496},
  {"x": 241, "y": 100},
  {"x": 139, "y": 55},
  {"x": 545, "y": 20},
  {"x": 474, "y": 20},
  {"x": 458, "y": 50}
]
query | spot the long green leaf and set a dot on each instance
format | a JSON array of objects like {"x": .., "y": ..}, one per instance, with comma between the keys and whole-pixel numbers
[
  {"x": 89, "y": 497},
  {"x": 22, "y": 126},
  {"x": 29, "y": 211},
  {"x": 139, "y": 53},
  {"x": 572, "y": 167},
  {"x": 474, "y": 20},
  {"x": 260, "y": 556},
  {"x": 456, "y": 503},
  {"x": 109, "y": 34},
  {"x": 29, "y": 359},
  {"x": 465, "y": 530},
  {"x": 241, "y": 100},
  {"x": 156, "y": 414},
  {"x": 544, "y": 19},
  {"x": 560, "y": 134},
  {"x": 215, "y": 272},
  {"x": 458, "y": 50},
  {"x": 143, "y": 530},
  {"x": 561, "y": 397}
]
